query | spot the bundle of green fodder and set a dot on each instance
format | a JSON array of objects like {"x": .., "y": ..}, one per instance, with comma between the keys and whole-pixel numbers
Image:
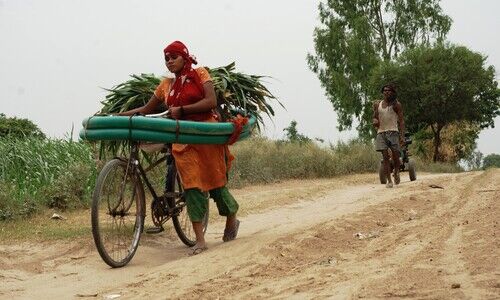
[{"x": 235, "y": 91}]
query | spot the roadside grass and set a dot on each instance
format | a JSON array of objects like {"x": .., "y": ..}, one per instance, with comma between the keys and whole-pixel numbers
[
  {"x": 40, "y": 174},
  {"x": 259, "y": 160},
  {"x": 436, "y": 167},
  {"x": 37, "y": 173},
  {"x": 76, "y": 224}
]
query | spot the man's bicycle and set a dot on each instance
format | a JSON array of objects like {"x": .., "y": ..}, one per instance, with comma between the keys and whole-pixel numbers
[
  {"x": 119, "y": 206},
  {"x": 405, "y": 162}
]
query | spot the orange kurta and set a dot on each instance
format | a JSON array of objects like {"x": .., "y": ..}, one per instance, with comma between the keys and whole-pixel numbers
[{"x": 199, "y": 166}]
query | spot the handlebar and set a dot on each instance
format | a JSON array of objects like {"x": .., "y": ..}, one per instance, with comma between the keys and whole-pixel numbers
[{"x": 165, "y": 113}]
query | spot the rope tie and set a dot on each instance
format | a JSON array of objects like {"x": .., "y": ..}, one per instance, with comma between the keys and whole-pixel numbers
[
  {"x": 130, "y": 128},
  {"x": 177, "y": 130}
]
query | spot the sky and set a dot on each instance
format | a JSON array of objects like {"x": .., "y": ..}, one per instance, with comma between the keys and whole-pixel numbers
[{"x": 57, "y": 55}]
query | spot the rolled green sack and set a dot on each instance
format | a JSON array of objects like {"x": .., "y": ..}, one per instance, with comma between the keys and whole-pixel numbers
[
  {"x": 115, "y": 134},
  {"x": 164, "y": 125}
]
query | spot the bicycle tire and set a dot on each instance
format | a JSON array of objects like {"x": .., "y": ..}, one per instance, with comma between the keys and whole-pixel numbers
[
  {"x": 111, "y": 210},
  {"x": 182, "y": 224},
  {"x": 412, "y": 170},
  {"x": 381, "y": 173}
]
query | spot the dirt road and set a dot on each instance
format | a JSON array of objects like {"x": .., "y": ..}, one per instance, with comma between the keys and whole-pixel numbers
[{"x": 345, "y": 238}]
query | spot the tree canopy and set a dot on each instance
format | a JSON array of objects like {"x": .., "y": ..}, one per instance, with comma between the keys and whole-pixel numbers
[
  {"x": 293, "y": 135},
  {"x": 18, "y": 127},
  {"x": 442, "y": 85},
  {"x": 491, "y": 161},
  {"x": 355, "y": 36}
]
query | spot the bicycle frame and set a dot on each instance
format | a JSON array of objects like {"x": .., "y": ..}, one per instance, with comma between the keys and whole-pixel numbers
[
  {"x": 161, "y": 209},
  {"x": 134, "y": 162}
]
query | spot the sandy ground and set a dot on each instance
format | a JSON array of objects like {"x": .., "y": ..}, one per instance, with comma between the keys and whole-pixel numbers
[{"x": 345, "y": 238}]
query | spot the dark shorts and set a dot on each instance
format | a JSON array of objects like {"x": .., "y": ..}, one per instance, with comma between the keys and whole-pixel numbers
[{"x": 386, "y": 140}]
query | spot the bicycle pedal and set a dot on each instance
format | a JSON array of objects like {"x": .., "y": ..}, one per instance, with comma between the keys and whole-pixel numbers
[{"x": 154, "y": 230}]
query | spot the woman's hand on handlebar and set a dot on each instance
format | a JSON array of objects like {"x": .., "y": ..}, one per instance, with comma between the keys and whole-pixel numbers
[{"x": 175, "y": 112}]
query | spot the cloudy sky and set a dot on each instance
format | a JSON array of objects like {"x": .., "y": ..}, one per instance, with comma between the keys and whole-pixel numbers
[{"x": 56, "y": 55}]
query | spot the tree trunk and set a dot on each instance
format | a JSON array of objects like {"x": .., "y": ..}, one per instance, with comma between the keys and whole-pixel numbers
[{"x": 437, "y": 141}]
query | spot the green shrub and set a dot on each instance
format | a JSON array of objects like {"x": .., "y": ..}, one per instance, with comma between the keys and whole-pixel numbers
[
  {"x": 36, "y": 172},
  {"x": 259, "y": 160},
  {"x": 18, "y": 128},
  {"x": 10, "y": 206},
  {"x": 491, "y": 161},
  {"x": 7, "y": 204},
  {"x": 71, "y": 189},
  {"x": 436, "y": 167}
]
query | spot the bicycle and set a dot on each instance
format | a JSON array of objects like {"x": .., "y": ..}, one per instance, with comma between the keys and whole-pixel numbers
[
  {"x": 119, "y": 206},
  {"x": 405, "y": 162}
]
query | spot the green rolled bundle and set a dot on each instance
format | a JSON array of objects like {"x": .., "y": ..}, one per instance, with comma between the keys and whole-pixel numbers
[
  {"x": 163, "y": 125},
  {"x": 116, "y": 134},
  {"x": 139, "y": 128}
]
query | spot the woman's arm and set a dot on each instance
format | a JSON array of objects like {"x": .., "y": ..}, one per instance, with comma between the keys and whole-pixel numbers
[
  {"x": 150, "y": 107},
  {"x": 204, "y": 105}
]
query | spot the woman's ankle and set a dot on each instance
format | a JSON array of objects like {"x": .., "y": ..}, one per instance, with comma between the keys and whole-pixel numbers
[
  {"x": 231, "y": 221},
  {"x": 200, "y": 244}
]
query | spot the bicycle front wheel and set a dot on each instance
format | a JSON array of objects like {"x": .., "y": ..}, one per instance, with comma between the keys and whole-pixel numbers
[{"x": 118, "y": 211}]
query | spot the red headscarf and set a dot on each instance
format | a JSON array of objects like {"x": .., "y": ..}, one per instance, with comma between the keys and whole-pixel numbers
[{"x": 181, "y": 94}]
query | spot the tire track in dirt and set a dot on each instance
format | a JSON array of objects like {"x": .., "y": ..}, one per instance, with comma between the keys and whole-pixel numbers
[{"x": 468, "y": 263}]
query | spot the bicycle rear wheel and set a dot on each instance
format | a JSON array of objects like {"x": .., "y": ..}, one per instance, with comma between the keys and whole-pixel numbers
[
  {"x": 182, "y": 223},
  {"x": 118, "y": 211}
]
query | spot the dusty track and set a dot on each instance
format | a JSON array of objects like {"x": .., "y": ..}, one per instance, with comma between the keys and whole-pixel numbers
[{"x": 344, "y": 238}]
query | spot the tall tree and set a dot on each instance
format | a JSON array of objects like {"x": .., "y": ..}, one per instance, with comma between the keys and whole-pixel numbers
[
  {"x": 355, "y": 36},
  {"x": 458, "y": 141},
  {"x": 442, "y": 85}
]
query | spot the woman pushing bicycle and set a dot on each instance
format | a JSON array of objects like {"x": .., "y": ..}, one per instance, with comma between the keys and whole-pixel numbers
[{"x": 202, "y": 168}]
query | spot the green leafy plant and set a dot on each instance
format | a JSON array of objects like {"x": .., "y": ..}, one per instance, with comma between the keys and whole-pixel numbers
[
  {"x": 239, "y": 91},
  {"x": 234, "y": 91},
  {"x": 130, "y": 94},
  {"x": 35, "y": 173},
  {"x": 293, "y": 135}
]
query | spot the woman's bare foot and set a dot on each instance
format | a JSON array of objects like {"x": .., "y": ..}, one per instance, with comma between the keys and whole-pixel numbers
[{"x": 198, "y": 248}]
